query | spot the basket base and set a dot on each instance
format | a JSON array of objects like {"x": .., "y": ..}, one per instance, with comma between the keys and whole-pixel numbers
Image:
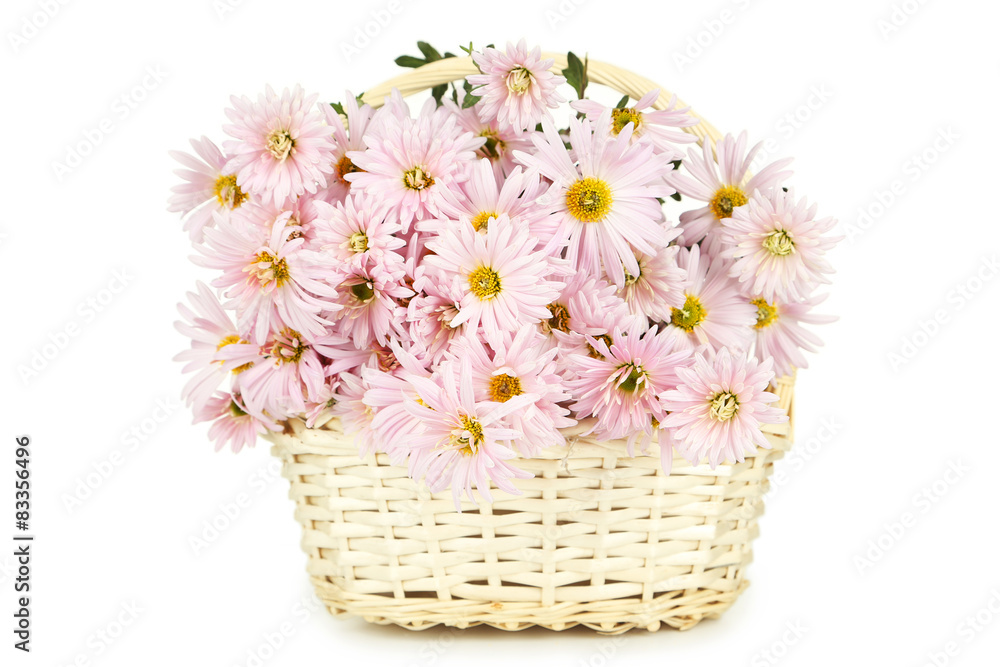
[{"x": 681, "y": 610}]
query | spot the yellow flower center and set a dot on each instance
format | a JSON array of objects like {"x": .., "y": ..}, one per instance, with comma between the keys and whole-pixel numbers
[
  {"x": 494, "y": 145},
  {"x": 725, "y": 405},
  {"x": 559, "y": 320},
  {"x": 228, "y": 192},
  {"x": 505, "y": 387},
  {"x": 725, "y": 200},
  {"x": 780, "y": 243},
  {"x": 622, "y": 117},
  {"x": 636, "y": 377},
  {"x": 767, "y": 313},
  {"x": 236, "y": 410},
  {"x": 280, "y": 143},
  {"x": 593, "y": 352},
  {"x": 345, "y": 167},
  {"x": 418, "y": 178},
  {"x": 482, "y": 218},
  {"x": 268, "y": 269},
  {"x": 589, "y": 199},
  {"x": 519, "y": 80},
  {"x": 469, "y": 437},
  {"x": 690, "y": 316},
  {"x": 484, "y": 283},
  {"x": 358, "y": 242},
  {"x": 230, "y": 340},
  {"x": 288, "y": 347}
]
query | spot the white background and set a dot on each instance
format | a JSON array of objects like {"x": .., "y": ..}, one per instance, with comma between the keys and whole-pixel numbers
[{"x": 835, "y": 560}]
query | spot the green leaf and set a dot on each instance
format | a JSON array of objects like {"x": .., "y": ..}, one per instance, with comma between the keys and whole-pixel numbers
[
  {"x": 410, "y": 61},
  {"x": 676, "y": 196},
  {"x": 430, "y": 53},
  {"x": 622, "y": 102},
  {"x": 576, "y": 73},
  {"x": 470, "y": 101},
  {"x": 677, "y": 164},
  {"x": 339, "y": 108},
  {"x": 438, "y": 92}
]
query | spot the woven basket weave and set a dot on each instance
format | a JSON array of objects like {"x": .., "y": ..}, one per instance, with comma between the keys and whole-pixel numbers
[{"x": 597, "y": 538}]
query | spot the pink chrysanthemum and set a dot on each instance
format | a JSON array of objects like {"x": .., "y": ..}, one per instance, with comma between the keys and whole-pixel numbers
[
  {"x": 657, "y": 127},
  {"x": 722, "y": 180},
  {"x": 501, "y": 142},
  {"x": 622, "y": 385},
  {"x": 516, "y": 86},
  {"x": 713, "y": 313},
  {"x": 358, "y": 234},
  {"x": 604, "y": 195},
  {"x": 485, "y": 195},
  {"x": 658, "y": 287},
  {"x": 717, "y": 410},
  {"x": 369, "y": 308},
  {"x": 355, "y": 416},
  {"x": 778, "y": 245},
  {"x": 410, "y": 161},
  {"x": 780, "y": 336},
  {"x": 270, "y": 279},
  {"x": 347, "y": 139},
  {"x": 208, "y": 187},
  {"x": 283, "y": 148},
  {"x": 505, "y": 284},
  {"x": 287, "y": 374},
  {"x": 522, "y": 365},
  {"x": 387, "y": 392},
  {"x": 461, "y": 442},
  {"x": 210, "y": 329},
  {"x": 232, "y": 425},
  {"x": 431, "y": 313}
]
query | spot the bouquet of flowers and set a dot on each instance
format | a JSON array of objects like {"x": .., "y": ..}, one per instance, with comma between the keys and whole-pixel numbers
[{"x": 460, "y": 283}]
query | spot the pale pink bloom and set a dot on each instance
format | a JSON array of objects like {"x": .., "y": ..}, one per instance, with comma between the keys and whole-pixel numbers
[
  {"x": 269, "y": 278},
  {"x": 298, "y": 217},
  {"x": 604, "y": 195},
  {"x": 486, "y": 195},
  {"x": 319, "y": 409},
  {"x": 714, "y": 312},
  {"x": 386, "y": 395},
  {"x": 722, "y": 179},
  {"x": 287, "y": 374},
  {"x": 410, "y": 161},
  {"x": 347, "y": 138},
  {"x": 717, "y": 411},
  {"x": 501, "y": 142},
  {"x": 780, "y": 335},
  {"x": 431, "y": 312},
  {"x": 658, "y": 287},
  {"x": 358, "y": 233},
  {"x": 505, "y": 284},
  {"x": 621, "y": 386},
  {"x": 778, "y": 246},
  {"x": 461, "y": 441},
  {"x": 232, "y": 424},
  {"x": 657, "y": 127},
  {"x": 524, "y": 364},
  {"x": 207, "y": 187},
  {"x": 369, "y": 308},
  {"x": 210, "y": 328},
  {"x": 355, "y": 417},
  {"x": 282, "y": 147},
  {"x": 517, "y": 87}
]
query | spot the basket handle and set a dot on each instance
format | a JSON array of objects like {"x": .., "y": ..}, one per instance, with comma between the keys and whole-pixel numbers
[{"x": 453, "y": 69}]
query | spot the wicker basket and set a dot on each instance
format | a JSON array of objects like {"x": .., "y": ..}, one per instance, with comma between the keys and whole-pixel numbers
[{"x": 597, "y": 539}]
